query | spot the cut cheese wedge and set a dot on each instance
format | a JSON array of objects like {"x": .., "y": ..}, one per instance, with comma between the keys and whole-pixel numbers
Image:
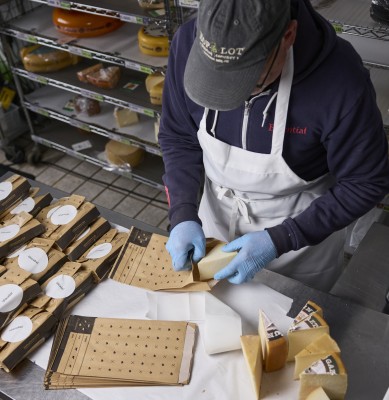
[
  {"x": 214, "y": 261},
  {"x": 318, "y": 394},
  {"x": 252, "y": 352},
  {"x": 328, "y": 373},
  {"x": 125, "y": 117},
  {"x": 318, "y": 349},
  {"x": 156, "y": 93},
  {"x": 304, "y": 333},
  {"x": 119, "y": 153},
  {"x": 153, "y": 79},
  {"x": 274, "y": 344},
  {"x": 309, "y": 308}
]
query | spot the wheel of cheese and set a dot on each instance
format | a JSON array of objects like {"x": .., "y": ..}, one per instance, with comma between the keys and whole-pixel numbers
[
  {"x": 153, "y": 41},
  {"x": 119, "y": 153},
  {"x": 39, "y": 58},
  {"x": 83, "y": 25}
]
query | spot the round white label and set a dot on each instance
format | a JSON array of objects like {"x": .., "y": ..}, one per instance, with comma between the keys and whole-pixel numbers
[
  {"x": 63, "y": 215},
  {"x": 60, "y": 287},
  {"x": 99, "y": 251},
  {"x": 8, "y": 232},
  {"x": 5, "y": 189},
  {"x": 27, "y": 205},
  {"x": 11, "y": 296},
  {"x": 51, "y": 211},
  {"x": 18, "y": 330},
  {"x": 17, "y": 252},
  {"x": 34, "y": 260},
  {"x": 83, "y": 234}
]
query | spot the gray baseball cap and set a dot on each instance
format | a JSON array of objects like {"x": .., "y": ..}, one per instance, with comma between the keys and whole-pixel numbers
[{"x": 233, "y": 40}]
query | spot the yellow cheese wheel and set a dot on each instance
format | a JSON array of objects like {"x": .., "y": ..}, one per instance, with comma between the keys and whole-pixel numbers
[
  {"x": 119, "y": 153},
  {"x": 153, "y": 41},
  {"x": 39, "y": 58},
  {"x": 83, "y": 25}
]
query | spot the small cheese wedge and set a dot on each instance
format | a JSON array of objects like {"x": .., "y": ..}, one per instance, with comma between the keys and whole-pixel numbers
[
  {"x": 214, "y": 261},
  {"x": 318, "y": 349},
  {"x": 328, "y": 373},
  {"x": 252, "y": 352},
  {"x": 153, "y": 79},
  {"x": 318, "y": 394},
  {"x": 309, "y": 308},
  {"x": 274, "y": 344},
  {"x": 304, "y": 333},
  {"x": 125, "y": 117}
]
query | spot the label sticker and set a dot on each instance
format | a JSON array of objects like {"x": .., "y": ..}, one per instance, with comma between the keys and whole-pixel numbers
[
  {"x": 60, "y": 287},
  {"x": 8, "y": 232},
  {"x": 27, "y": 205},
  {"x": 11, "y": 296},
  {"x": 17, "y": 252},
  {"x": 99, "y": 251},
  {"x": 86, "y": 144},
  {"x": 5, "y": 189},
  {"x": 83, "y": 234},
  {"x": 34, "y": 260},
  {"x": 131, "y": 85},
  {"x": 18, "y": 330},
  {"x": 63, "y": 215}
]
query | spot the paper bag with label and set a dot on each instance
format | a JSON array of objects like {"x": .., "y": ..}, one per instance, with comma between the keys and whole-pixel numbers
[
  {"x": 66, "y": 219},
  {"x": 64, "y": 289},
  {"x": 11, "y": 190},
  {"x": 100, "y": 258},
  {"x": 17, "y": 231},
  {"x": 87, "y": 238},
  {"x": 108, "y": 352},
  {"x": 32, "y": 204},
  {"x": 37, "y": 257},
  {"x": 144, "y": 262},
  {"x": 16, "y": 290},
  {"x": 23, "y": 335}
]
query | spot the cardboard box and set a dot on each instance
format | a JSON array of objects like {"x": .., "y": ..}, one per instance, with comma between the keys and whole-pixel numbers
[{"x": 11, "y": 190}]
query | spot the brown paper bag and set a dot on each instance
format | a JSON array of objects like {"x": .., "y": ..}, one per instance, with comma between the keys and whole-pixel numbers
[{"x": 11, "y": 190}]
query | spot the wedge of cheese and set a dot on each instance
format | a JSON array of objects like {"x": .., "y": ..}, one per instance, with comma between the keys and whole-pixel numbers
[
  {"x": 318, "y": 394},
  {"x": 309, "y": 308},
  {"x": 274, "y": 344},
  {"x": 125, "y": 117},
  {"x": 304, "y": 333},
  {"x": 214, "y": 261},
  {"x": 328, "y": 373},
  {"x": 318, "y": 349},
  {"x": 252, "y": 352}
]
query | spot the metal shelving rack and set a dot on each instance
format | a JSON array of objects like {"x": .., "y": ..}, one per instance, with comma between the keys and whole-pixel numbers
[{"x": 29, "y": 22}]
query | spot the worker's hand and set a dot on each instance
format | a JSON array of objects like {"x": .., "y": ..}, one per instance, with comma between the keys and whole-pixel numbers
[
  {"x": 186, "y": 243},
  {"x": 256, "y": 250}
]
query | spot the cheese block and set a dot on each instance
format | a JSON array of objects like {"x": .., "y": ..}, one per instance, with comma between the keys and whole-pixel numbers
[
  {"x": 120, "y": 154},
  {"x": 274, "y": 344},
  {"x": 38, "y": 58},
  {"x": 83, "y": 25},
  {"x": 252, "y": 352},
  {"x": 319, "y": 348},
  {"x": 156, "y": 128},
  {"x": 153, "y": 79},
  {"x": 304, "y": 333},
  {"x": 214, "y": 261},
  {"x": 153, "y": 40},
  {"x": 309, "y": 308},
  {"x": 156, "y": 94},
  {"x": 318, "y": 394},
  {"x": 328, "y": 373},
  {"x": 81, "y": 75},
  {"x": 125, "y": 117},
  {"x": 106, "y": 78}
]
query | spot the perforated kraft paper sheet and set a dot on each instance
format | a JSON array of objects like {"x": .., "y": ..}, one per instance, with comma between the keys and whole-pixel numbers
[{"x": 93, "y": 352}]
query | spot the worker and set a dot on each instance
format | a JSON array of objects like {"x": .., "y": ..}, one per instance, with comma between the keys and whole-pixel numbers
[{"x": 274, "y": 117}]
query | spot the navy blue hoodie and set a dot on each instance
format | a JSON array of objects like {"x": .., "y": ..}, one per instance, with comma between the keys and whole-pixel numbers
[{"x": 333, "y": 126}]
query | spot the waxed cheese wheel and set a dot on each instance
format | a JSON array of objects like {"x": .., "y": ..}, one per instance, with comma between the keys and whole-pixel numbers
[
  {"x": 153, "y": 40},
  {"x": 119, "y": 153}
]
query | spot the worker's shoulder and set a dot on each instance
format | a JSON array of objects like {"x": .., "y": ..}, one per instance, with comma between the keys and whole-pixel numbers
[{"x": 186, "y": 32}]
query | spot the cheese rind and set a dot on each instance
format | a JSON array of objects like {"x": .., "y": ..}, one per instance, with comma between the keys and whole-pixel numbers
[
  {"x": 318, "y": 394},
  {"x": 252, "y": 352},
  {"x": 274, "y": 344},
  {"x": 318, "y": 349},
  {"x": 214, "y": 261},
  {"x": 304, "y": 333},
  {"x": 328, "y": 373},
  {"x": 153, "y": 41}
]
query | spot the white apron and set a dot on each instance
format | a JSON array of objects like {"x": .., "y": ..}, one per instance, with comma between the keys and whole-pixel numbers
[{"x": 246, "y": 191}]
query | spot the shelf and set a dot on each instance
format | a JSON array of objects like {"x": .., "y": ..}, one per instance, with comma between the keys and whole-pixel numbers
[
  {"x": 66, "y": 139},
  {"x": 353, "y": 17},
  {"x": 128, "y": 11},
  {"x": 137, "y": 100},
  {"x": 50, "y": 102},
  {"x": 122, "y": 45}
]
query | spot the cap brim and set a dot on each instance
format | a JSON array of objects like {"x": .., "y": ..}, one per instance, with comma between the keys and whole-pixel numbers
[{"x": 216, "y": 89}]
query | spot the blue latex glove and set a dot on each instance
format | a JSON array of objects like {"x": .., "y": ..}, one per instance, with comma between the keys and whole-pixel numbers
[
  {"x": 186, "y": 243},
  {"x": 256, "y": 250}
]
